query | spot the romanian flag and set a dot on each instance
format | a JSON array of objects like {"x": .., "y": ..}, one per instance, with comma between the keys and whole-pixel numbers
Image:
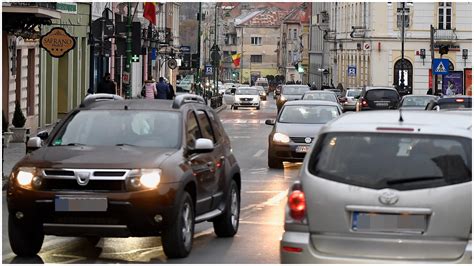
[
  {"x": 236, "y": 59},
  {"x": 149, "y": 12}
]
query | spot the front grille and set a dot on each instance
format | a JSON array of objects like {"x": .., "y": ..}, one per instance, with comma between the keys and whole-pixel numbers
[
  {"x": 85, "y": 219},
  {"x": 59, "y": 172},
  {"x": 246, "y": 99},
  {"x": 108, "y": 173},
  {"x": 93, "y": 185},
  {"x": 299, "y": 139}
]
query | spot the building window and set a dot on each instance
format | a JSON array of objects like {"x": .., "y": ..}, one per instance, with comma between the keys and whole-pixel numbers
[
  {"x": 231, "y": 39},
  {"x": 256, "y": 58},
  {"x": 400, "y": 16},
  {"x": 290, "y": 59},
  {"x": 444, "y": 15},
  {"x": 256, "y": 40},
  {"x": 30, "y": 108},
  {"x": 295, "y": 34}
]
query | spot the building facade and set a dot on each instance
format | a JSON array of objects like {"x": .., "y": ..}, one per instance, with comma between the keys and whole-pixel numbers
[{"x": 365, "y": 41}]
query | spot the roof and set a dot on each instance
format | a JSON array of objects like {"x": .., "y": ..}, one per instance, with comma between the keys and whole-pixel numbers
[
  {"x": 379, "y": 87},
  {"x": 133, "y": 104},
  {"x": 300, "y": 14},
  {"x": 271, "y": 17},
  {"x": 310, "y": 102},
  {"x": 421, "y": 122}
]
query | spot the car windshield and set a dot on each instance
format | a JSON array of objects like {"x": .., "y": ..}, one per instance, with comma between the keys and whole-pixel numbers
[
  {"x": 320, "y": 96},
  {"x": 374, "y": 95},
  {"x": 294, "y": 90},
  {"x": 402, "y": 162},
  {"x": 308, "y": 114},
  {"x": 121, "y": 127},
  {"x": 246, "y": 92},
  {"x": 353, "y": 93},
  {"x": 417, "y": 101}
]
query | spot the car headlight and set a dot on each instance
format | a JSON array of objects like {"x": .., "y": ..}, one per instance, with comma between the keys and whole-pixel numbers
[
  {"x": 282, "y": 138},
  {"x": 150, "y": 178},
  {"x": 25, "y": 175},
  {"x": 282, "y": 98}
]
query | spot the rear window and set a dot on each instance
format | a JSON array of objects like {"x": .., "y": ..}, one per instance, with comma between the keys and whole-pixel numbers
[
  {"x": 402, "y": 162},
  {"x": 320, "y": 96},
  {"x": 374, "y": 95},
  {"x": 308, "y": 114},
  {"x": 417, "y": 101},
  {"x": 353, "y": 93},
  {"x": 292, "y": 90}
]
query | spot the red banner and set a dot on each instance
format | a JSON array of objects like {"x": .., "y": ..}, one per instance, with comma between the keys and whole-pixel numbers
[
  {"x": 468, "y": 81},
  {"x": 149, "y": 12}
]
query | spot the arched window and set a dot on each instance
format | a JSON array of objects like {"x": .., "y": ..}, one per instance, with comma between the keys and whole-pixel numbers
[{"x": 407, "y": 68}]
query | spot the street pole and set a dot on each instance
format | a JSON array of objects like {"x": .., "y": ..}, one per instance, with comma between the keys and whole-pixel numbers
[
  {"x": 216, "y": 64},
  {"x": 198, "y": 78},
  {"x": 242, "y": 55},
  {"x": 128, "y": 64},
  {"x": 433, "y": 77},
  {"x": 402, "y": 78}
]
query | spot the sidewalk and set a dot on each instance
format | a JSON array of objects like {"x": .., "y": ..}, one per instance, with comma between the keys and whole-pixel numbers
[{"x": 16, "y": 151}]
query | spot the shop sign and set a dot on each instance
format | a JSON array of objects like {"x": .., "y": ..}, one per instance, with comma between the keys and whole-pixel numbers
[
  {"x": 70, "y": 8},
  {"x": 57, "y": 42}
]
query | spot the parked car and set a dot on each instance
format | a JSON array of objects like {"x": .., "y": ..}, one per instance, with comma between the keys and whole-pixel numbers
[
  {"x": 261, "y": 92},
  {"x": 185, "y": 84},
  {"x": 378, "y": 98},
  {"x": 290, "y": 93},
  {"x": 375, "y": 188},
  {"x": 229, "y": 95},
  {"x": 295, "y": 127},
  {"x": 121, "y": 168},
  {"x": 349, "y": 100},
  {"x": 450, "y": 102},
  {"x": 246, "y": 97}
]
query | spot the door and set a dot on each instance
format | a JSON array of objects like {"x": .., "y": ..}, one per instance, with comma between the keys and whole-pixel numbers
[
  {"x": 229, "y": 96},
  {"x": 199, "y": 165}
]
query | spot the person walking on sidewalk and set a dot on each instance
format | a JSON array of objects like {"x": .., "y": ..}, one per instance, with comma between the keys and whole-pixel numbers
[
  {"x": 171, "y": 93},
  {"x": 106, "y": 85},
  {"x": 162, "y": 89},
  {"x": 149, "y": 88}
]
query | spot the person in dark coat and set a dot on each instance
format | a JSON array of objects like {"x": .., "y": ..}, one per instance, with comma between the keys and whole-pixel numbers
[
  {"x": 106, "y": 85},
  {"x": 171, "y": 93},
  {"x": 162, "y": 89}
]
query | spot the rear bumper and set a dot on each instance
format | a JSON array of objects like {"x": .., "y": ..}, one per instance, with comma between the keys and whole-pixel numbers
[{"x": 309, "y": 254}]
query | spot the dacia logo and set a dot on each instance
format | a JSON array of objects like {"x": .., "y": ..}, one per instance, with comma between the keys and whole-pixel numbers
[{"x": 82, "y": 178}]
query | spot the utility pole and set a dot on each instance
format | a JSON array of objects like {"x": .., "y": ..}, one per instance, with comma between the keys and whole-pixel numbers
[
  {"x": 198, "y": 77},
  {"x": 128, "y": 93},
  {"x": 216, "y": 63},
  {"x": 434, "y": 86},
  {"x": 242, "y": 54}
]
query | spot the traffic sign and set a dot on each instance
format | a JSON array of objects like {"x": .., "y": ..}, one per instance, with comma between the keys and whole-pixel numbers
[
  {"x": 366, "y": 46},
  {"x": 440, "y": 66},
  {"x": 209, "y": 70},
  {"x": 126, "y": 78},
  {"x": 351, "y": 71}
]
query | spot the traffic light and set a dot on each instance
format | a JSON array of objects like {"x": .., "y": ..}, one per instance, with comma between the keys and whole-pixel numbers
[{"x": 443, "y": 49}]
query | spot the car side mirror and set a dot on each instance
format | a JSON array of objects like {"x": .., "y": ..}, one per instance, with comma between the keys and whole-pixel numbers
[
  {"x": 33, "y": 144},
  {"x": 43, "y": 135},
  {"x": 269, "y": 122},
  {"x": 203, "y": 145}
]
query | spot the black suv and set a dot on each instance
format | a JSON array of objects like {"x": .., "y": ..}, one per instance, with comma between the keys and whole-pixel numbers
[
  {"x": 451, "y": 102},
  {"x": 378, "y": 98},
  {"x": 120, "y": 168}
]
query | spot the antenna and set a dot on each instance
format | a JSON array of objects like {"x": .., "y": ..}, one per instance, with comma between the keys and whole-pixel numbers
[{"x": 401, "y": 117}]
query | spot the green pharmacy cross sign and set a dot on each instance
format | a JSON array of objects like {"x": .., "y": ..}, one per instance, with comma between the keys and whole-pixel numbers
[{"x": 135, "y": 58}]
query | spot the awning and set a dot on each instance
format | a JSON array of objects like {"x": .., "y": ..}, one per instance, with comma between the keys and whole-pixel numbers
[{"x": 39, "y": 12}]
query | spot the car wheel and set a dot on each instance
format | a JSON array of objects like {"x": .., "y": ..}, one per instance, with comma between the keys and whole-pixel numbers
[
  {"x": 236, "y": 108},
  {"x": 177, "y": 239},
  {"x": 227, "y": 224},
  {"x": 274, "y": 162},
  {"x": 258, "y": 107},
  {"x": 25, "y": 239}
]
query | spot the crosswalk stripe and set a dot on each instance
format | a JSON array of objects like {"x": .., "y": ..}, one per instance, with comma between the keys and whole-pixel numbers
[{"x": 243, "y": 121}]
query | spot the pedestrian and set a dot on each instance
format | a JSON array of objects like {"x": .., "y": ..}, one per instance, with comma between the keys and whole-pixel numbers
[
  {"x": 162, "y": 89},
  {"x": 149, "y": 88},
  {"x": 106, "y": 85},
  {"x": 430, "y": 91},
  {"x": 171, "y": 93}
]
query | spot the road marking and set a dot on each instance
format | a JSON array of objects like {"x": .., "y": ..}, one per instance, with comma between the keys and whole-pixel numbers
[
  {"x": 259, "y": 153},
  {"x": 270, "y": 202},
  {"x": 261, "y": 223}
]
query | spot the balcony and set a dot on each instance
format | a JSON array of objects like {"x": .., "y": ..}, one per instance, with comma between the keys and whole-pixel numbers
[{"x": 445, "y": 35}]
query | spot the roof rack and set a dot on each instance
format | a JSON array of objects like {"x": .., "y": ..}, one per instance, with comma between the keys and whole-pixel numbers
[
  {"x": 182, "y": 99},
  {"x": 98, "y": 97}
]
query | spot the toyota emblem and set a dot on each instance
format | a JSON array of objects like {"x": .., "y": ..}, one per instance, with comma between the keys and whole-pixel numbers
[
  {"x": 82, "y": 178},
  {"x": 307, "y": 140},
  {"x": 388, "y": 197}
]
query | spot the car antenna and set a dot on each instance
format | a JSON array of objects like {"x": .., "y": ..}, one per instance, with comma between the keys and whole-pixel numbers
[{"x": 401, "y": 117}]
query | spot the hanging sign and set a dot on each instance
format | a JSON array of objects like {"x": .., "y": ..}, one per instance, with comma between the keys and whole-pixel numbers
[{"x": 57, "y": 42}]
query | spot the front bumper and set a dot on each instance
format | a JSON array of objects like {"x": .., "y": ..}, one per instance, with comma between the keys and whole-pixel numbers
[
  {"x": 309, "y": 254},
  {"x": 287, "y": 152},
  {"x": 246, "y": 104},
  {"x": 127, "y": 213}
]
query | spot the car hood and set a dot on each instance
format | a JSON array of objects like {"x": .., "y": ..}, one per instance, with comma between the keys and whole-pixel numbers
[
  {"x": 298, "y": 130},
  {"x": 254, "y": 97},
  {"x": 123, "y": 157}
]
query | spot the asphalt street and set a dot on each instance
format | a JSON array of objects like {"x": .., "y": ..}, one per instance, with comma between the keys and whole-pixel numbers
[{"x": 261, "y": 223}]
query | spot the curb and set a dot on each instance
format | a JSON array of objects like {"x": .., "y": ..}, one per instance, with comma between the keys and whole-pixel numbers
[{"x": 220, "y": 108}]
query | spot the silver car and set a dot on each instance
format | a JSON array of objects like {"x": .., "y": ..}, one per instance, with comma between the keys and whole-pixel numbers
[{"x": 384, "y": 187}]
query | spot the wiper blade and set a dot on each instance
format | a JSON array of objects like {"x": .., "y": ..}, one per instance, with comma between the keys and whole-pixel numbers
[
  {"x": 74, "y": 144},
  {"x": 414, "y": 179},
  {"x": 126, "y": 144}
]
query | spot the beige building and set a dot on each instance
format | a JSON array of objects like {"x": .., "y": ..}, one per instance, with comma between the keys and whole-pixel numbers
[{"x": 365, "y": 41}]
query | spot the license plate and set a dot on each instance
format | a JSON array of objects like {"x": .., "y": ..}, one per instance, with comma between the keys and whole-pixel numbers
[
  {"x": 382, "y": 104},
  {"x": 384, "y": 222},
  {"x": 80, "y": 204},
  {"x": 302, "y": 149}
]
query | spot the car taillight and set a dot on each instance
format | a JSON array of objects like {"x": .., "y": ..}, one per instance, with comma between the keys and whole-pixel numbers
[
  {"x": 342, "y": 99},
  {"x": 459, "y": 100},
  {"x": 365, "y": 103},
  {"x": 297, "y": 205}
]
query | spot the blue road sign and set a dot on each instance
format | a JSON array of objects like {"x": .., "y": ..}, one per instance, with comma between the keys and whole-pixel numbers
[
  {"x": 351, "y": 71},
  {"x": 209, "y": 70},
  {"x": 440, "y": 66},
  {"x": 153, "y": 53}
]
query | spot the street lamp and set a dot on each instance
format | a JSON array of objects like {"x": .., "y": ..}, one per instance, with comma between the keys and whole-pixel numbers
[{"x": 402, "y": 78}]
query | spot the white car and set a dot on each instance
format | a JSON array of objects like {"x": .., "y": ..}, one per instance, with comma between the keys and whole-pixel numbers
[{"x": 246, "y": 97}]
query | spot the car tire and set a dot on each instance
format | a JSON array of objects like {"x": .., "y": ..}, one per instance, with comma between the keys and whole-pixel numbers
[
  {"x": 236, "y": 108},
  {"x": 227, "y": 224},
  {"x": 25, "y": 239},
  {"x": 177, "y": 239},
  {"x": 274, "y": 162},
  {"x": 258, "y": 107}
]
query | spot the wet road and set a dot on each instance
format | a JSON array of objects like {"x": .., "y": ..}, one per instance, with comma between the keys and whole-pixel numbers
[{"x": 261, "y": 222}]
